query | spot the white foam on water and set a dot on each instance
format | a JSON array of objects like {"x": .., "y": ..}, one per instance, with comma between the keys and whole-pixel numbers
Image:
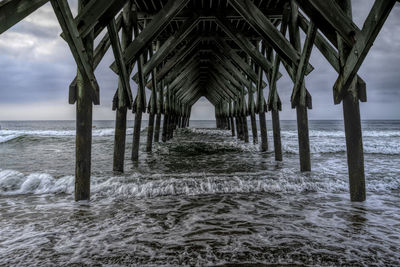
[
  {"x": 6, "y": 138},
  {"x": 189, "y": 184},
  {"x": 371, "y": 146},
  {"x": 8, "y": 135},
  {"x": 16, "y": 183},
  {"x": 210, "y": 131},
  {"x": 337, "y": 133}
]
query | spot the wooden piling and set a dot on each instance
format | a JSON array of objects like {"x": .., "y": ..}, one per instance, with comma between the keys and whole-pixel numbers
[
  {"x": 299, "y": 100},
  {"x": 303, "y": 138},
  {"x": 253, "y": 115},
  {"x": 261, "y": 110},
  {"x": 150, "y": 131},
  {"x": 165, "y": 128},
  {"x": 160, "y": 108},
  {"x": 277, "y": 134},
  {"x": 232, "y": 125},
  {"x": 84, "y": 112},
  {"x": 121, "y": 105},
  {"x": 352, "y": 124},
  {"x": 157, "y": 128},
  {"x": 152, "y": 106},
  {"x": 354, "y": 145},
  {"x": 245, "y": 129},
  {"x": 263, "y": 131},
  {"x": 141, "y": 97},
  {"x": 231, "y": 118},
  {"x": 119, "y": 139}
]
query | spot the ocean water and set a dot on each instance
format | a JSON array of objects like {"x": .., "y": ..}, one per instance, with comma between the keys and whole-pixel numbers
[{"x": 203, "y": 198}]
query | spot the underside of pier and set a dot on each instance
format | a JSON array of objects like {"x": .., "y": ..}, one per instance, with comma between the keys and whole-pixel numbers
[{"x": 230, "y": 52}]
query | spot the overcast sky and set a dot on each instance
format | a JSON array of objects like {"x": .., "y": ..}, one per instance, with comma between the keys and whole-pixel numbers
[{"x": 37, "y": 67}]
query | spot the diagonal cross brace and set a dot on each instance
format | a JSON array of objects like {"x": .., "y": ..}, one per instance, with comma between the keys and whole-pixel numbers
[
  {"x": 123, "y": 69},
  {"x": 157, "y": 24},
  {"x": 77, "y": 47},
  {"x": 365, "y": 39}
]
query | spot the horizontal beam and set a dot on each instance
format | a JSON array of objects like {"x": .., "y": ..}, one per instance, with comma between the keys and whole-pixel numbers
[{"x": 228, "y": 12}]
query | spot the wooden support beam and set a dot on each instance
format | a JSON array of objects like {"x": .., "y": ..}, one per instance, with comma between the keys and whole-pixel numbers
[
  {"x": 327, "y": 14},
  {"x": 299, "y": 91},
  {"x": 225, "y": 49},
  {"x": 179, "y": 67},
  {"x": 268, "y": 31},
  {"x": 13, "y": 11},
  {"x": 225, "y": 74},
  {"x": 159, "y": 22},
  {"x": 84, "y": 110},
  {"x": 179, "y": 56},
  {"x": 232, "y": 118},
  {"x": 169, "y": 45},
  {"x": 152, "y": 108},
  {"x": 141, "y": 96},
  {"x": 301, "y": 108},
  {"x": 225, "y": 86},
  {"x": 182, "y": 77},
  {"x": 160, "y": 107},
  {"x": 252, "y": 110},
  {"x": 121, "y": 110},
  {"x": 244, "y": 44},
  {"x": 209, "y": 14},
  {"x": 261, "y": 112},
  {"x": 96, "y": 15},
  {"x": 99, "y": 53},
  {"x": 64, "y": 16},
  {"x": 166, "y": 115},
  {"x": 364, "y": 41},
  {"x": 332, "y": 56},
  {"x": 274, "y": 102},
  {"x": 235, "y": 71},
  {"x": 352, "y": 123},
  {"x": 122, "y": 67}
]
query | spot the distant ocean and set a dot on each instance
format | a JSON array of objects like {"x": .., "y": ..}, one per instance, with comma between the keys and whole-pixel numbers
[{"x": 203, "y": 198}]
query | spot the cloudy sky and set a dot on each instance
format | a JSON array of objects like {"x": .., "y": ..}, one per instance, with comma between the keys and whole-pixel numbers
[{"x": 37, "y": 68}]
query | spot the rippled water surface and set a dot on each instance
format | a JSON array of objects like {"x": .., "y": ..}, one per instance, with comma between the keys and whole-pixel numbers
[{"x": 203, "y": 198}]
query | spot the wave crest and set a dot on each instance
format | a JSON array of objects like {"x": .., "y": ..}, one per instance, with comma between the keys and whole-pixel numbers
[{"x": 188, "y": 184}]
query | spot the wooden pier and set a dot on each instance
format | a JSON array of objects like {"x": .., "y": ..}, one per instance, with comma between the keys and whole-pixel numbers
[{"x": 230, "y": 52}]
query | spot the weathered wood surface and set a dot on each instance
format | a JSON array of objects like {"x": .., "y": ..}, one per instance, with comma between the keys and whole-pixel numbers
[
  {"x": 204, "y": 53},
  {"x": 123, "y": 99},
  {"x": 157, "y": 24},
  {"x": 301, "y": 106},
  {"x": 365, "y": 39},
  {"x": 140, "y": 96},
  {"x": 64, "y": 16},
  {"x": 352, "y": 123},
  {"x": 13, "y": 11},
  {"x": 84, "y": 110}
]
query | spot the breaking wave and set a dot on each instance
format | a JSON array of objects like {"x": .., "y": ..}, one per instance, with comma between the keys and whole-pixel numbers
[
  {"x": 8, "y": 135},
  {"x": 188, "y": 184}
]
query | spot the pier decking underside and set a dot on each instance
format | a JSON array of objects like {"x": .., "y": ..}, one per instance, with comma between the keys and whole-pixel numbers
[{"x": 230, "y": 52}]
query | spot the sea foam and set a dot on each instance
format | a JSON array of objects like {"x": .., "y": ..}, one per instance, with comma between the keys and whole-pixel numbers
[
  {"x": 189, "y": 184},
  {"x": 8, "y": 135}
]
